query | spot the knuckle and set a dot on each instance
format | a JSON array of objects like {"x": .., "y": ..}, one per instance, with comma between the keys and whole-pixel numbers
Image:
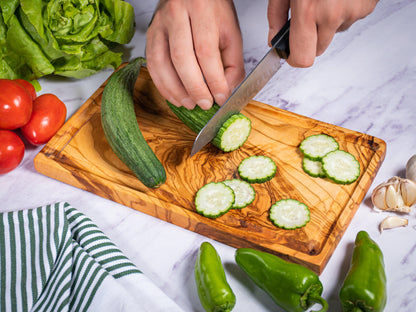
[
  {"x": 217, "y": 84},
  {"x": 173, "y": 7},
  {"x": 198, "y": 92},
  {"x": 334, "y": 18},
  {"x": 204, "y": 49},
  {"x": 178, "y": 56},
  {"x": 153, "y": 60},
  {"x": 198, "y": 6}
]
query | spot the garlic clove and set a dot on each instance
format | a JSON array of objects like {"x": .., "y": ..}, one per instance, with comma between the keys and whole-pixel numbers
[
  {"x": 378, "y": 198},
  {"x": 392, "y": 197},
  {"x": 395, "y": 182},
  {"x": 392, "y": 222},
  {"x": 411, "y": 168},
  {"x": 408, "y": 191}
]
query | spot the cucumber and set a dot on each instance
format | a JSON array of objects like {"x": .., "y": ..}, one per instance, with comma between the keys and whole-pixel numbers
[
  {"x": 313, "y": 168},
  {"x": 196, "y": 118},
  {"x": 121, "y": 130},
  {"x": 214, "y": 199},
  {"x": 289, "y": 214},
  {"x": 323, "y": 158},
  {"x": 232, "y": 134},
  {"x": 257, "y": 169},
  {"x": 243, "y": 191},
  {"x": 341, "y": 167},
  {"x": 317, "y": 146}
]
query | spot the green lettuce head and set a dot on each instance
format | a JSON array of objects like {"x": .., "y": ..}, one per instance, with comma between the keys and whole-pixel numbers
[{"x": 72, "y": 38}]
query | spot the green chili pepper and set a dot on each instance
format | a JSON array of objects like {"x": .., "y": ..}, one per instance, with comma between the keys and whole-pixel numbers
[
  {"x": 291, "y": 286},
  {"x": 364, "y": 288},
  {"x": 214, "y": 291}
]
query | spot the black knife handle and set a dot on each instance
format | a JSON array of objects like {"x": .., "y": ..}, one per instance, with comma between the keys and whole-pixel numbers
[{"x": 281, "y": 41}]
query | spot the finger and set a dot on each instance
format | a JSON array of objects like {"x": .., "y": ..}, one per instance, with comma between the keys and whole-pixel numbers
[
  {"x": 277, "y": 15},
  {"x": 181, "y": 47},
  {"x": 206, "y": 37},
  {"x": 233, "y": 65},
  {"x": 231, "y": 47},
  {"x": 303, "y": 34},
  {"x": 163, "y": 73},
  {"x": 328, "y": 19},
  {"x": 325, "y": 36}
]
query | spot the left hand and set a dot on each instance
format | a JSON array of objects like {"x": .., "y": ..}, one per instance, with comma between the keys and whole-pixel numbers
[
  {"x": 314, "y": 24},
  {"x": 194, "y": 51}
]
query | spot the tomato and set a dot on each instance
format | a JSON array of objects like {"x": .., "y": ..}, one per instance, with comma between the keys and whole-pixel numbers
[
  {"x": 28, "y": 86},
  {"x": 48, "y": 115},
  {"x": 12, "y": 150},
  {"x": 15, "y": 105}
]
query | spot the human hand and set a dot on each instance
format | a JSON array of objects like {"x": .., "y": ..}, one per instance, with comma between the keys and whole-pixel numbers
[
  {"x": 314, "y": 23},
  {"x": 194, "y": 51}
]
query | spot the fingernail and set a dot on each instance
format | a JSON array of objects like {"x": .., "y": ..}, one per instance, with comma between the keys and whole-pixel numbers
[
  {"x": 188, "y": 103},
  {"x": 204, "y": 103},
  {"x": 174, "y": 102},
  {"x": 220, "y": 98}
]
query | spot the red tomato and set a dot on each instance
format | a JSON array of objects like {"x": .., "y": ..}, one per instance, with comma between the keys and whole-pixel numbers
[
  {"x": 12, "y": 150},
  {"x": 48, "y": 115},
  {"x": 15, "y": 105},
  {"x": 28, "y": 86}
]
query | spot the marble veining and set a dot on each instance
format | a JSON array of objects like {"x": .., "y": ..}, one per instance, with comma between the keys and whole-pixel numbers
[{"x": 364, "y": 82}]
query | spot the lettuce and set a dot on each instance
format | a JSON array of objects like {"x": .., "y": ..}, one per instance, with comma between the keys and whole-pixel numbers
[{"x": 72, "y": 38}]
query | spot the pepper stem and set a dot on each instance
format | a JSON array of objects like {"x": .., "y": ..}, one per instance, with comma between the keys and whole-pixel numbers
[{"x": 315, "y": 297}]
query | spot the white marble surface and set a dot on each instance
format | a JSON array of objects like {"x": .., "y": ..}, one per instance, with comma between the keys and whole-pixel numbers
[{"x": 366, "y": 81}]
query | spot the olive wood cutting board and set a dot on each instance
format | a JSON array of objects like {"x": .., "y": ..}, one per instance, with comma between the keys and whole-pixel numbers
[{"x": 79, "y": 155}]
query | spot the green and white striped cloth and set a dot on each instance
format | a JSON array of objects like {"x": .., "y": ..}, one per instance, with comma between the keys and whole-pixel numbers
[{"x": 54, "y": 258}]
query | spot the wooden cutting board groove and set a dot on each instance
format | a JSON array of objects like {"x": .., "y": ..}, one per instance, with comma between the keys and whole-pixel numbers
[{"x": 80, "y": 156}]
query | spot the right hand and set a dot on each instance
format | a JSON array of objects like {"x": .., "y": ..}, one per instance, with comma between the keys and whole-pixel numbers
[
  {"x": 314, "y": 23},
  {"x": 194, "y": 51}
]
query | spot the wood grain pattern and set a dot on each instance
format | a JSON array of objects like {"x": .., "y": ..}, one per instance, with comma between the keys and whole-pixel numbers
[{"x": 80, "y": 155}]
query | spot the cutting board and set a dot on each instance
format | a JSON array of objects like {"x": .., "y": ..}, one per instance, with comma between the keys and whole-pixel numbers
[{"x": 79, "y": 155}]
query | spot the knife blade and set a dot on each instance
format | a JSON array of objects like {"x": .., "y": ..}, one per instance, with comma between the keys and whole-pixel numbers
[{"x": 251, "y": 85}]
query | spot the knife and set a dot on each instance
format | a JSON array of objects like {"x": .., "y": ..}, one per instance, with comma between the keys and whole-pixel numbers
[{"x": 248, "y": 89}]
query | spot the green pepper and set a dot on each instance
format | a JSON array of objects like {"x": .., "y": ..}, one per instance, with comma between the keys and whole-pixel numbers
[
  {"x": 364, "y": 288},
  {"x": 214, "y": 291},
  {"x": 291, "y": 286}
]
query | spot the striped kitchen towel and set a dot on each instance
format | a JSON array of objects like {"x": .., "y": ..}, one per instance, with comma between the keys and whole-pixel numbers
[{"x": 54, "y": 258}]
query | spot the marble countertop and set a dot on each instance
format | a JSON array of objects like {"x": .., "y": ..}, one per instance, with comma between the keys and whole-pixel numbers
[{"x": 366, "y": 81}]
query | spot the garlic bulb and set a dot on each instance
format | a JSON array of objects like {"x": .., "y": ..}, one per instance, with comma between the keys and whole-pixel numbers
[
  {"x": 396, "y": 194},
  {"x": 392, "y": 222},
  {"x": 411, "y": 168}
]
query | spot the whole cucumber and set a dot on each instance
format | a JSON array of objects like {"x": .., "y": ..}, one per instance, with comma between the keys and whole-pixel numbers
[{"x": 121, "y": 129}]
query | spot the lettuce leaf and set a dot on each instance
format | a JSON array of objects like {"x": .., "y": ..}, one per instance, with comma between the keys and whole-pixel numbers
[{"x": 72, "y": 38}]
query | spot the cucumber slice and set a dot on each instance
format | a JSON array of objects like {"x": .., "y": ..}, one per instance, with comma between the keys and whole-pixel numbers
[
  {"x": 243, "y": 191},
  {"x": 313, "y": 168},
  {"x": 341, "y": 167},
  {"x": 317, "y": 146},
  {"x": 214, "y": 199},
  {"x": 289, "y": 214},
  {"x": 257, "y": 169},
  {"x": 233, "y": 133}
]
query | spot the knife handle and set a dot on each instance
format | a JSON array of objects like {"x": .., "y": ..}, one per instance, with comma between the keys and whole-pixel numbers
[{"x": 281, "y": 41}]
